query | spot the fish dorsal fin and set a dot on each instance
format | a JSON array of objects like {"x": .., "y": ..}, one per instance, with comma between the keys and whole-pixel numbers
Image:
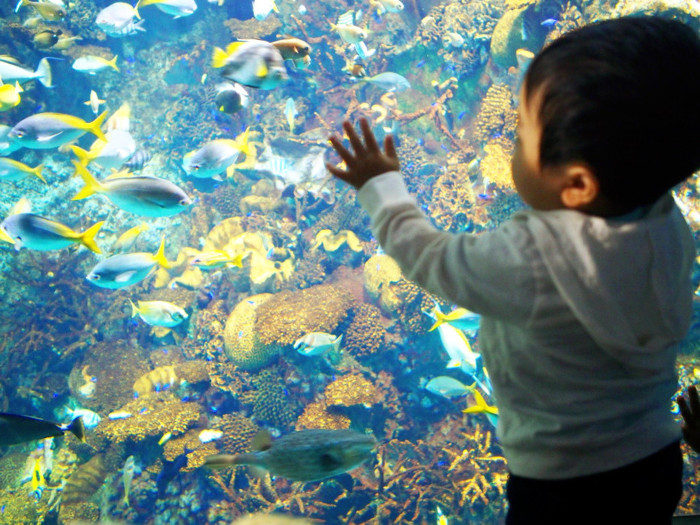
[
  {"x": 262, "y": 440},
  {"x": 231, "y": 48}
]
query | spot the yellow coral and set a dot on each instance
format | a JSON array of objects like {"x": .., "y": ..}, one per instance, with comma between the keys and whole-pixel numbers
[
  {"x": 380, "y": 273},
  {"x": 151, "y": 415},
  {"x": 495, "y": 166},
  {"x": 352, "y": 389},
  {"x": 332, "y": 242},
  {"x": 365, "y": 335},
  {"x": 496, "y": 115},
  {"x": 316, "y": 415},
  {"x": 241, "y": 339},
  {"x": 290, "y": 315},
  {"x": 190, "y": 443}
]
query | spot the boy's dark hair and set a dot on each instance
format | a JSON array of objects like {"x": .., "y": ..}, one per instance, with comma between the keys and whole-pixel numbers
[{"x": 622, "y": 96}]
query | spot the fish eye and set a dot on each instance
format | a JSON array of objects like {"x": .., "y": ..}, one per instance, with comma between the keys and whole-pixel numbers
[
  {"x": 195, "y": 167},
  {"x": 94, "y": 277},
  {"x": 19, "y": 133},
  {"x": 184, "y": 202}
]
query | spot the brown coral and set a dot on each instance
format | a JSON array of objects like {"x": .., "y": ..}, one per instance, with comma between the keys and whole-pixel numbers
[
  {"x": 316, "y": 415},
  {"x": 238, "y": 433},
  {"x": 190, "y": 444},
  {"x": 243, "y": 343},
  {"x": 151, "y": 415},
  {"x": 291, "y": 314},
  {"x": 497, "y": 116},
  {"x": 366, "y": 333},
  {"x": 269, "y": 399},
  {"x": 352, "y": 389}
]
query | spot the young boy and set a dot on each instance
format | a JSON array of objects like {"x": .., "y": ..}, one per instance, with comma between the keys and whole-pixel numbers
[{"x": 585, "y": 297}]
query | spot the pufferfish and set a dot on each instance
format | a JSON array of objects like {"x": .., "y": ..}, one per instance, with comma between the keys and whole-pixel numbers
[{"x": 306, "y": 455}]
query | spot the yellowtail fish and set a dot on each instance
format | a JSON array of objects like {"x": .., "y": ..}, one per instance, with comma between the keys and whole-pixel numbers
[
  {"x": 306, "y": 455},
  {"x": 165, "y": 438},
  {"x": 216, "y": 259},
  {"x": 158, "y": 313},
  {"x": 481, "y": 407},
  {"x": 317, "y": 343},
  {"x": 127, "y": 477},
  {"x": 127, "y": 239},
  {"x": 441, "y": 518},
  {"x": 94, "y": 102},
  {"x": 119, "y": 271},
  {"x": 147, "y": 196},
  {"x": 176, "y": 8},
  {"x": 15, "y": 428},
  {"x": 51, "y": 130},
  {"x": 11, "y": 71},
  {"x": 290, "y": 113},
  {"x": 47, "y": 10},
  {"x": 12, "y": 170},
  {"x": 92, "y": 64},
  {"x": 262, "y": 8},
  {"x": 10, "y": 96},
  {"x": 253, "y": 63},
  {"x": 112, "y": 154},
  {"x": 292, "y": 48},
  {"x": 39, "y": 233},
  {"x": 448, "y": 387},
  {"x": 215, "y": 156},
  {"x": 460, "y": 318}
]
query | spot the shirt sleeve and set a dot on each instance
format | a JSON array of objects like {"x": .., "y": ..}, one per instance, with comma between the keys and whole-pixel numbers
[{"x": 491, "y": 273}]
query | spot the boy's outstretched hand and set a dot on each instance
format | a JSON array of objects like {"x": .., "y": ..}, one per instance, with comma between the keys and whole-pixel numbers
[
  {"x": 368, "y": 159},
  {"x": 690, "y": 410}
]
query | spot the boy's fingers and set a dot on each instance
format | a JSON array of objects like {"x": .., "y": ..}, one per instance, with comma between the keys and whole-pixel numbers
[
  {"x": 337, "y": 172},
  {"x": 353, "y": 137},
  {"x": 683, "y": 407},
  {"x": 694, "y": 401},
  {"x": 342, "y": 150},
  {"x": 389, "y": 147},
  {"x": 370, "y": 141}
]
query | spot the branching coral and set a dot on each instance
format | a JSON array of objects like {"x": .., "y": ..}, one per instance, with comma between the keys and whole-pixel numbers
[
  {"x": 316, "y": 415},
  {"x": 238, "y": 433},
  {"x": 352, "y": 389},
  {"x": 270, "y": 400},
  {"x": 290, "y": 315}
]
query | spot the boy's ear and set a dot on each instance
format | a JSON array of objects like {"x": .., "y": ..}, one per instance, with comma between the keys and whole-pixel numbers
[{"x": 581, "y": 186}]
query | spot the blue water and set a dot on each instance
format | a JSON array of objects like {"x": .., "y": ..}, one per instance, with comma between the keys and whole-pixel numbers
[{"x": 69, "y": 344}]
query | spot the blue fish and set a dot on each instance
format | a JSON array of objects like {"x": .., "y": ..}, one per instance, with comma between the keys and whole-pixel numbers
[{"x": 549, "y": 22}]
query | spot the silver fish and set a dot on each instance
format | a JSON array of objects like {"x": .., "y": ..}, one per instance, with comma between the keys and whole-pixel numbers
[
  {"x": 126, "y": 269},
  {"x": 389, "y": 81},
  {"x": 51, "y": 130},
  {"x": 12, "y": 72},
  {"x": 117, "y": 20},
  {"x": 147, "y": 196},
  {"x": 39, "y": 233},
  {"x": 306, "y": 455}
]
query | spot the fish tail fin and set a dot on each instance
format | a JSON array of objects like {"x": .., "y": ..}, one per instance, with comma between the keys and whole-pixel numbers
[
  {"x": 134, "y": 309},
  {"x": 37, "y": 171},
  {"x": 43, "y": 73},
  {"x": 274, "y": 7},
  {"x": 95, "y": 126},
  {"x": 18, "y": 88},
  {"x": 113, "y": 63},
  {"x": 87, "y": 238},
  {"x": 77, "y": 428},
  {"x": 218, "y": 59},
  {"x": 92, "y": 185},
  {"x": 142, "y": 3},
  {"x": 21, "y": 3},
  {"x": 440, "y": 318},
  {"x": 243, "y": 142},
  {"x": 237, "y": 261},
  {"x": 136, "y": 10},
  {"x": 218, "y": 461},
  {"x": 83, "y": 156},
  {"x": 336, "y": 343},
  {"x": 159, "y": 256}
]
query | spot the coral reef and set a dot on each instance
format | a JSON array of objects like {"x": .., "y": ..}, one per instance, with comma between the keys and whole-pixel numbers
[
  {"x": 495, "y": 166},
  {"x": 270, "y": 399},
  {"x": 289, "y": 315},
  {"x": 366, "y": 333},
  {"x": 151, "y": 415},
  {"x": 380, "y": 275},
  {"x": 497, "y": 116},
  {"x": 352, "y": 389},
  {"x": 243, "y": 343},
  {"x": 238, "y": 433},
  {"x": 191, "y": 445},
  {"x": 316, "y": 415}
]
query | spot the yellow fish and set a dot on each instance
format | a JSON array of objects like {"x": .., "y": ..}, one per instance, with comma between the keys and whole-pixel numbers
[
  {"x": 14, "y": 170},
  {"x": 216, "y": 259},
  {"x": 47, "y": 10},
  {"x": 128, "y": 238},
  {"x": 38, "y": 481},
  {"x": 9, "y": 96}
]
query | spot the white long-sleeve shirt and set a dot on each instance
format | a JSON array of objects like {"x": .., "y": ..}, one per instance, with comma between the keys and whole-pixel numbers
[{"x": 581, "y": 318}]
